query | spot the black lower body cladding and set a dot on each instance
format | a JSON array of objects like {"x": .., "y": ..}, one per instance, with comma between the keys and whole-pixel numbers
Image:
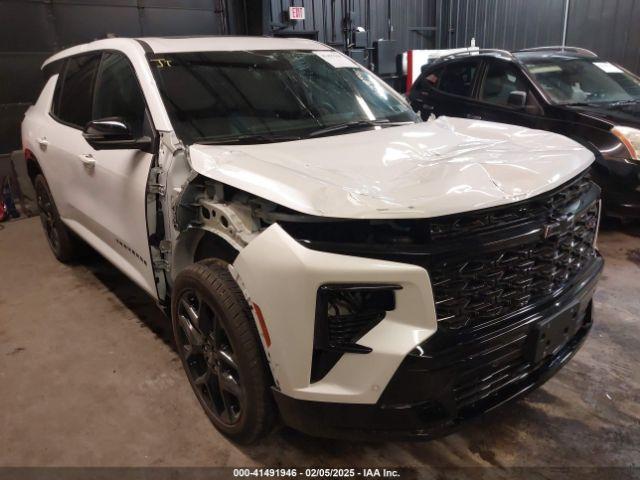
[{"x": 513, "y": 291}]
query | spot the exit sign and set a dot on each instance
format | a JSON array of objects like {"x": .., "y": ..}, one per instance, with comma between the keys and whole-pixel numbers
[{"x": 296, "y": 13}]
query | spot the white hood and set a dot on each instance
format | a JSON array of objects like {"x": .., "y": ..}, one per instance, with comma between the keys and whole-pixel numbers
[{"x": 440, "y": 167}]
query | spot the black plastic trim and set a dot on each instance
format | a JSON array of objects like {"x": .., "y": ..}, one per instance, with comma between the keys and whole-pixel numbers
[
  {"x": 327, "y": 353},
  {"x": 145, "y": 46}
]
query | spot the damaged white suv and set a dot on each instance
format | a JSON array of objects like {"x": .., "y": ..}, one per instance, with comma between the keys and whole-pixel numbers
[{"x": 324, "y": 255}]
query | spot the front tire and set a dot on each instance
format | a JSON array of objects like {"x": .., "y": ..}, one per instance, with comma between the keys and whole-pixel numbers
[
  {"x": 62, "y": 241},
  {"x": 221, "y": 353}
]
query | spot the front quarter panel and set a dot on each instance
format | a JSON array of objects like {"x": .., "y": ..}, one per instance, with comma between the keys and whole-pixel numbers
[{"x": 282, "y": 278}]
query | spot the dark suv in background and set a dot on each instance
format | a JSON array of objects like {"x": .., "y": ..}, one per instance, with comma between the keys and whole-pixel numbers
[{"x": 561, "y": 89}]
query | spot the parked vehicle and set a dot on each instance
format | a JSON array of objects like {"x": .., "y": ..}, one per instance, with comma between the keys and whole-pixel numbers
[
  {"x": 322, "y": 252},
  {"x": 564, "y": 90}
]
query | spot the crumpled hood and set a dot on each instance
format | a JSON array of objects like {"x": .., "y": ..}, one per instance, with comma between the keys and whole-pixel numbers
[{"x": 440, "y": 167}]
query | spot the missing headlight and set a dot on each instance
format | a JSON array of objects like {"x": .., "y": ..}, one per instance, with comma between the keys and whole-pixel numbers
[{"x": 344, "y": 314}]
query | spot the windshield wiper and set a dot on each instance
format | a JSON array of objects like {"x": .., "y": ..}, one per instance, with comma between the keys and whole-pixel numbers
[
  {"x": 255, "y": 138},
  {"x": 579, "y": 104},
  {"x": 621, "y": 103},
  {"x": 355, "y": 125},
  {"x": 247, "y": 139}
]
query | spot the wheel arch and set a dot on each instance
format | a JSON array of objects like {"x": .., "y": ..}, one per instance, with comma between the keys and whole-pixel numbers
[
  {"x": 33, "y": 166},
  {"x": 195, "y": 244}
]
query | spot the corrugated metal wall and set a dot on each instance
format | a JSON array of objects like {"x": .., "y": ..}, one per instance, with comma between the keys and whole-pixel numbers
[
  {"x": 505, "y": 24},
  {"x": 611, "y": 28},
  {"x": 608, "y": 27},
  {"x": 409, "y": 19},
  {"x": 400, "y": 20},
  {"x": 31, "y": 30}
]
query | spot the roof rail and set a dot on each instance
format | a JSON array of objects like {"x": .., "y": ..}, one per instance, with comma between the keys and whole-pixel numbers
[
  {"x": 479, "y": 51},
  {"x": 561, "y": 48}
]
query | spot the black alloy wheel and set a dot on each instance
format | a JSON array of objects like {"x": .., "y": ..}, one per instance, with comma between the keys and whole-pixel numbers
[
  {"x": 48, "y": 217},
  {"x": 221, "y": 351},
  {"x": 64, "y": 244},
  {"x": 210, "y": 360}
]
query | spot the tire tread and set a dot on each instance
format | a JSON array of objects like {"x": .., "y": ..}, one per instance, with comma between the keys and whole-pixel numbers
[{"x": 70, "y": 246}]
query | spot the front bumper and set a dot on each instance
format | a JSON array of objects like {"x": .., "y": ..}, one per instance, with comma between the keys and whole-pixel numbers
[
  {"x": 282, "y": 278},
  {"x": 441, "y": 384},
  {"x": 620, "y": 183}
]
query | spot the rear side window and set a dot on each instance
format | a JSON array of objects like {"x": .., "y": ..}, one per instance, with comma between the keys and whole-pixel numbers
[
  {"x": 118, "y": 92},
  {"x": 458, "y": 78},
  {"x": 501, "y": 80},
  {"x": 430, "y": 79},
  {"x": 72, "y": 104}
]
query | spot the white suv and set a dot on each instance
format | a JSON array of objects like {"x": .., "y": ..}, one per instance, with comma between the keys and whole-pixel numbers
[{"x": 322, "y": 252}]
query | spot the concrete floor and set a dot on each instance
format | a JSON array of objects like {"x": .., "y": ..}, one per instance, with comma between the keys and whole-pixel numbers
[{"x": 88, "y": 377}]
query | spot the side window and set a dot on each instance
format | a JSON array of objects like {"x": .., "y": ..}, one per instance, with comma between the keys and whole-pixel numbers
[
  {"x": 502, "y": 79},
  {"x": 458, "y": 78},
  {"x": 72, "y": 103},
  {"x": 432, "y": 78},
  {"x": 118, "y": 93}
]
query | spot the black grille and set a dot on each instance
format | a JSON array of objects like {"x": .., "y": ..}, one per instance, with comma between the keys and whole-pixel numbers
[
  {"x": 343, "y": 329},
  {"x": 549, "y": 207},
  {"x": 471, "y": 290},
  {"x": 499, "y": 271}
]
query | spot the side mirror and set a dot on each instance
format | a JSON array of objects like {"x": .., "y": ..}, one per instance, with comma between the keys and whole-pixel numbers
[
  {"x": 517, "y": 99},
  {"x": 419, "y": 106},
  {"x": 113, "y": 133}
]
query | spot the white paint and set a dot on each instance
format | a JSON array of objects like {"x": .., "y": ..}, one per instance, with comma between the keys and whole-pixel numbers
[
  {"x": 288, "y": 299},
  {"x": 429, "y": 169},
  {"x": 196, "y": 44}
]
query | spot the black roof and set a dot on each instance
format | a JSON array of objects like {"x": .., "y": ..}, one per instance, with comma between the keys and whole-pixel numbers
[
  {"x": 555, "y": 50},
  {"x": 525, "y": 55}
]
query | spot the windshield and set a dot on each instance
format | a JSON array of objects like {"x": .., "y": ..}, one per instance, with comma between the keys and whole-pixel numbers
[
  {"x": 579, "y": 80},
  {"x": 259, "y": 96}
]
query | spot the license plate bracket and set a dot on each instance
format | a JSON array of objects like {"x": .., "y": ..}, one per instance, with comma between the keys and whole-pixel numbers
[{"x": 549, "y": 336}]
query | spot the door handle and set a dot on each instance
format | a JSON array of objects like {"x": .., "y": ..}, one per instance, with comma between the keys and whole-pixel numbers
[
  {"x": 87, "y": 159},
  {"x": 474, "y": 117},
  {"x": 43, "y": 142}
]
